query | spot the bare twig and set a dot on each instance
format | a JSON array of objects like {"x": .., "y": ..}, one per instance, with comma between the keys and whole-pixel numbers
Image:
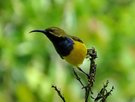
[
  {"x": 83, "y": 71},
  {"x": 92, "y": 72},
  {"x": 59, "y": 93},
  {"x": 103, "y": 94},
  {"x": 78, "y": 78}
]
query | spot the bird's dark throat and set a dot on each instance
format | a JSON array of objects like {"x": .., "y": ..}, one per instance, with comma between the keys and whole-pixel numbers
[{"x": 63, "y": 45}]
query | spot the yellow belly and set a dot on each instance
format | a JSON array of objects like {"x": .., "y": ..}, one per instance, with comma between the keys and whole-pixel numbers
[{"x": 77, "y": 55}]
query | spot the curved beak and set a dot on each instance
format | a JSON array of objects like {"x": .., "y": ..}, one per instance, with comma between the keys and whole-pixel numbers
[{"x": 42, "y": 31}]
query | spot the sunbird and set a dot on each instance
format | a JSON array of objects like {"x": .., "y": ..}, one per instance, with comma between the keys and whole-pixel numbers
[{"x": 70, "y": 48}]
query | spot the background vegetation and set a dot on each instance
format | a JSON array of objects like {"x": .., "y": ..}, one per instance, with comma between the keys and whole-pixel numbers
[{"x": 29, "y": 64}]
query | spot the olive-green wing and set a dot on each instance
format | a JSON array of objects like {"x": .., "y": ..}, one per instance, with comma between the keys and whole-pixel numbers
[{"x": 76, "y": 38}]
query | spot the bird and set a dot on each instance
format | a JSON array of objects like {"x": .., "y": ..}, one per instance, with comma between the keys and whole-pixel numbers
[{"x": 70, "y": 48}]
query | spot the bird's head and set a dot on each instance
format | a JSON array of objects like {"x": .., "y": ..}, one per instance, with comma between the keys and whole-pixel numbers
[{"x": 52, "y": 31}]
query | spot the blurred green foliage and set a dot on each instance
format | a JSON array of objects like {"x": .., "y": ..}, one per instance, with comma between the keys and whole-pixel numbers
[{"x": 29, "y": 65}]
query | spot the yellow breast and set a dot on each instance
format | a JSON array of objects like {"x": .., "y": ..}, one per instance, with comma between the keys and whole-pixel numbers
[{"x": 77, "y": 55}]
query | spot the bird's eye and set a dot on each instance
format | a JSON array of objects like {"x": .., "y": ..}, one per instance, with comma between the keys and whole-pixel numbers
[{"x": 51, "y": 31}]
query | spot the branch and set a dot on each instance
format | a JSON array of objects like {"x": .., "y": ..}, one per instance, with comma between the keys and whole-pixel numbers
[
  {"x": 78, "y": 78},
  {"x": 59, "y": 93},
  {"x": 103, "y": 94},
  {"x": 92, "y": 72}
]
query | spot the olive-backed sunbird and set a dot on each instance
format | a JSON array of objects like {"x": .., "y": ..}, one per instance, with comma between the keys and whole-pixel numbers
[{"x": 70, "y": 48}]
